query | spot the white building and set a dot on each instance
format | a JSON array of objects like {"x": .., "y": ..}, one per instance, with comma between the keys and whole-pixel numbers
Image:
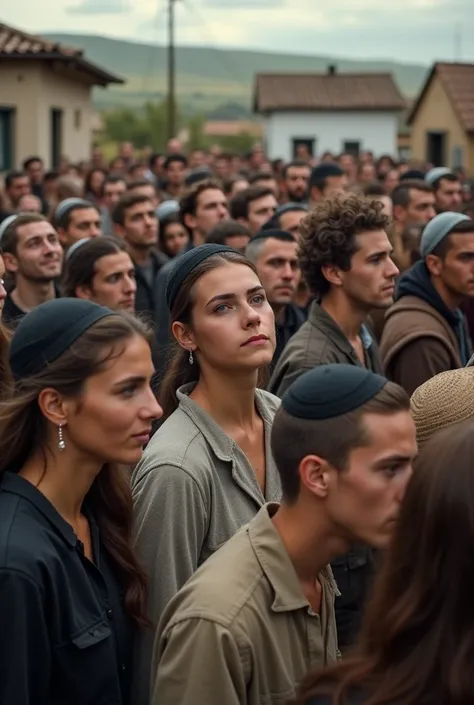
[{"x": 336, "y": 112}]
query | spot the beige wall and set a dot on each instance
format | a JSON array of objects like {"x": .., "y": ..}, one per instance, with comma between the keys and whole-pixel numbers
[
  {"x": 435, "y": 113},
  {"x": 34, "y": 88}
]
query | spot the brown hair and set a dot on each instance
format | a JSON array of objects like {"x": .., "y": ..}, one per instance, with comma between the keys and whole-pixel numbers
[
  {"x": 328, "y": 236},
  {"x": 129, "y": 199},
  {"x": 6, "y": 379},
  {"x": 23, "y": 431},
  {"x": 417, "y": 641},
  {"x": 79, "y": 267},
  {"x": 189, "y": 201},
  {"x": 401, "y": 194},
  {"x": 178, "y": 369},
  {"x": 294, "y": 439},
  {"x": 10, "y": 236}
]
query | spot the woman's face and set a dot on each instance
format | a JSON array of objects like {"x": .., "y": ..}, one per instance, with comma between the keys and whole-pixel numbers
[
  {"x": 175, "y": 239},
  {"x": 233, "y": 326},
  {"x": 97, "y": 179},
  {"x": 111, "y": 421}
]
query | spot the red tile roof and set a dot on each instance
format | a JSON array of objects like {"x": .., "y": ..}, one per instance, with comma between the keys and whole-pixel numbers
[
  {"x": 16, "y": 44},
  {"x": 458, "y": 83},
  {"x": 331, "y": 91}
]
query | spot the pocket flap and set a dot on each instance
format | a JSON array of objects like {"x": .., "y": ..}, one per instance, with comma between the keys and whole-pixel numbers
[{"x": 92, "y": 635}]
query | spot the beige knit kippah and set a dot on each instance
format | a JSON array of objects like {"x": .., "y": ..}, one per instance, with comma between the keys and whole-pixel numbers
[{"x": 442, "y": 401}]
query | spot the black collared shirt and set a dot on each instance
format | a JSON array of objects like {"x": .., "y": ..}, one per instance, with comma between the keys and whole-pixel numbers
[{"x": 64, "y": 636}]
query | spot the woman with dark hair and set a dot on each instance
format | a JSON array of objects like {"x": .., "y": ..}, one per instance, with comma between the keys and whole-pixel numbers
[
  {"x": 417, "y": 642},
  {"x": 93, "y": 185},
  {"x": 208, "y": 469},
  {"x": 173, "y": 236},
  {"x": 71, "y": 590}
]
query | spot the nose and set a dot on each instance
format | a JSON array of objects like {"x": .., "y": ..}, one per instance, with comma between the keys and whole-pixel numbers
[
  {"x": 129, "y": 285},
  {"x": 223, "y": 211},
  {"x": 251, "y": 317},
  {"x": 94, "y": 230},
  {"x": 393, "y": 270},
  {"x": 152, "y": 410},
  {"x": 287, "y": 271}
]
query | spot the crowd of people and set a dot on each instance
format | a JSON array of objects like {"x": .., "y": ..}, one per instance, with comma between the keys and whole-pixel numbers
[{"x": 236, "y": 428}]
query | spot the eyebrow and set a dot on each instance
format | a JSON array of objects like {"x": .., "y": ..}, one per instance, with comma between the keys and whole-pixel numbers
[
  {"x": 388, "y": 251},
  {"x": 226, "y": 297},
  {"x": 394, "y": 460},
  {"x": 131, "y": 380}
]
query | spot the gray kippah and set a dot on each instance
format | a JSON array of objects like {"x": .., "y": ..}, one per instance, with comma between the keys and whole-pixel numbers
[
  {"x": 68, "y": 204},
  {"x": 434, "y": 174},
  {"x": 331, "y": 390},
  {"x": 438, "y": 228},
  {"x": 5, "y": 223},
  {"x": 76, "y": 246}
]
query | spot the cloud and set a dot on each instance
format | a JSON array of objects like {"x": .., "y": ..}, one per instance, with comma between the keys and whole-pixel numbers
[{"x": 100, "y": 7}]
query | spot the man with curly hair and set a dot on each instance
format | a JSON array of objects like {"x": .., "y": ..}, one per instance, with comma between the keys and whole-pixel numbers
[{"x": 345, "y": 258}]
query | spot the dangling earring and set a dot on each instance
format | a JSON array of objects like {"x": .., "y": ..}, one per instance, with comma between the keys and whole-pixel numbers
[
  {"x": 61, "y": 443},
  {"x": 191, "y": 358}
]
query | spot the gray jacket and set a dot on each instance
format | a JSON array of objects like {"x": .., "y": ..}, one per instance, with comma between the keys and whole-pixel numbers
[{"x": 193, "y": 489}]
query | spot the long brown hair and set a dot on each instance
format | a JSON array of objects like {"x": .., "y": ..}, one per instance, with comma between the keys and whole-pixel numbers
[
  {"x": 23, "y": 432},
  {"x": 178, "y": 369},
  {"x": 5, "y": 374},
  {"x": 417, "y": 642}
]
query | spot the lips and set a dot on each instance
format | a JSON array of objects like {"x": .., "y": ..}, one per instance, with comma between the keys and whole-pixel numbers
[
  {"x": 256, "y": 340},
  {"x": 143, "y": 437}
]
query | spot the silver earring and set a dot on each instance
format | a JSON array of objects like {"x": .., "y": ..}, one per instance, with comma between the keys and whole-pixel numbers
[
  {"x": 191, "y": 357},
  {"x": 61, "y": 443}
]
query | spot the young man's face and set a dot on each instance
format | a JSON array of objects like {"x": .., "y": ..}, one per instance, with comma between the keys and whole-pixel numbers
[
  {"x": 84, "y": 222},
  {"x": 420, "y": 209},
  {"x": 296, "y": 183},
  {"x": 370, "y": 282},
  {"x": 113, "y": 284},
  {"x": 141, "y": 225},
  {"x": 39, "y": 255},
  {"x": 363, "y": 500},
  {"x": 211, "y": 209},
  {"x": 456, "y": 269},
  {"x": 176, "y": 173},
  {"x": 449, "y": 195},
  {"x": 35, "y": 171},
  {"x": 113, "y": 193},
  {"x": 260, "y": 211},
  {"x": 20, "y": 187},
  {"x": 279, "y": 271}
]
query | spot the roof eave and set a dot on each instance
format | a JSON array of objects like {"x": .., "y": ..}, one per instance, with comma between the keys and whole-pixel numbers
[
  {"x": 351, "y": 108},
  {"x": 102, "y": 78}
]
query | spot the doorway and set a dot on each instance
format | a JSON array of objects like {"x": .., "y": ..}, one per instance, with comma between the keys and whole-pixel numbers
[
  {"x": 303, "y": 147},
  {"x": 56, "y": 137},
  {"x": 436, "y": 148}
]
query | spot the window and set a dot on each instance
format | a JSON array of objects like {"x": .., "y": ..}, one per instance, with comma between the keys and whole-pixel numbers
[
  {"x": 436, "y": 148},
  {"x": 77, "y": 119},
  {"x": 7, "y": 116},
  {"x": 351, "y": 148},
  {"x": 302, "y": 147},
  {"x": 457, "y": 160},
  {"x": 56, "y": 137}
]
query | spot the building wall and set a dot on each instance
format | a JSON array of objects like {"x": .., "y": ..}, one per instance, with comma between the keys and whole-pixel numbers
[
  {"x": 33, "y": 89},
  {"x": 436, "y": 114},
  {"x": 376, "y": 131}
]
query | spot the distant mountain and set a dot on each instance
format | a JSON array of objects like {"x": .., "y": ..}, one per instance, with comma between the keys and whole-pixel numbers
[{"x": 209, "y": 78}]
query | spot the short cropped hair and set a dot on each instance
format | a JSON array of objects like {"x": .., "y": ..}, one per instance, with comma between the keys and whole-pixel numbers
[
  {"x": 226, "y": 229},
  {"x": 239, "y": 205},
  {"x": 189, "y": 201},
  {"x": 401, "y": 194},
  {"x": 333, "y": 439},
  {"x": 328, "y": 236},
  {"x": 128, "y": 200},
  {"x": 12, "y": 175}
]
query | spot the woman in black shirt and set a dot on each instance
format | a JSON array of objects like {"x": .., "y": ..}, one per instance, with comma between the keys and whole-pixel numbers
[{"x": 70, "y": 587}]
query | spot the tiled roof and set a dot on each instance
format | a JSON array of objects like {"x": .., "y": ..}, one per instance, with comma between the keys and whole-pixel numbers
[
  {"x": 331, "y": 91},
  {"x": 458, "y": 83},
  {"x": 16, "y": 44}
]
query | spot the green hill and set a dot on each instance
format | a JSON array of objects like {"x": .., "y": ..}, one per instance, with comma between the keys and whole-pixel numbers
[{"x": 209, "y": 78}]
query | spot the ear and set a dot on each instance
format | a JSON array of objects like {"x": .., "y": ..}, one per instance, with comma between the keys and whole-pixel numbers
[
  {"x": 53, "y": 406},
  {"x": 119, "y": 231},
  {"x": 314, "y": 475},
  {"x": 62, "y": 237},
  {"x": 184, "y": 335},
  {"x": 333, "y": 274},
  {"x": 83, "y": 292},
  {"x": 434, "y": 265},
  {"x": 315, "y": 194},
  {"x": 10, "y": 262},
  {"x": 190, "y": 221},
  {"x": 399, "y": 214}
]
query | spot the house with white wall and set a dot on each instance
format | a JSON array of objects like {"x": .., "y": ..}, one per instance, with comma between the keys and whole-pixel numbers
[{"x": 337, "y": 112}]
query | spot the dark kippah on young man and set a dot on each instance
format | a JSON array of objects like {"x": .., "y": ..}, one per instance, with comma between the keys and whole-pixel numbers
[{"x": 260, "y": 612}]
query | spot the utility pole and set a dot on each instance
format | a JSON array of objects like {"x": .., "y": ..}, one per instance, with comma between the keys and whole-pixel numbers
[{"x": 171, "y": 72}]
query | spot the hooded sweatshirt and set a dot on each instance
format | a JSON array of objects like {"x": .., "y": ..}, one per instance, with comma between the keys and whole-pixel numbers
[{"x": 422, "y": 336}]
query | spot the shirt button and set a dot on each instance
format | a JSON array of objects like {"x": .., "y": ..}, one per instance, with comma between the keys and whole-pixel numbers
[{"x": 110, "y": 614}]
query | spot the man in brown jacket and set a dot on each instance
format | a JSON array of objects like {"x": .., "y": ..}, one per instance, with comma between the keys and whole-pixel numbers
[
  {"x": 425, "y": 331},
  {"x": 259, "y": 613}
]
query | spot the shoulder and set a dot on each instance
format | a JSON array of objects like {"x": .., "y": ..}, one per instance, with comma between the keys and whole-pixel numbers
[
  {"x": 223, "y": 588},
  {"x": 268, "y": 401}
]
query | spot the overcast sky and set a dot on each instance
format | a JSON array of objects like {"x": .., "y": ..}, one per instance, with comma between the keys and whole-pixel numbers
[{"x": 406, "y": 30}]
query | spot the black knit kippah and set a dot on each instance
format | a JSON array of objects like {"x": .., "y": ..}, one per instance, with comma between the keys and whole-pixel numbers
[
  {"x": 184, "y": 265},
  {"x": 331, "y": 390},
  {"x": 45, "y": 333},
  {"x": 275, "y": 233}
]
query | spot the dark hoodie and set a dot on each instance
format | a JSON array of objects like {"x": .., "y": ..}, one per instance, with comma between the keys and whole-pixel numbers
[{"x": 422, "y": 336}]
